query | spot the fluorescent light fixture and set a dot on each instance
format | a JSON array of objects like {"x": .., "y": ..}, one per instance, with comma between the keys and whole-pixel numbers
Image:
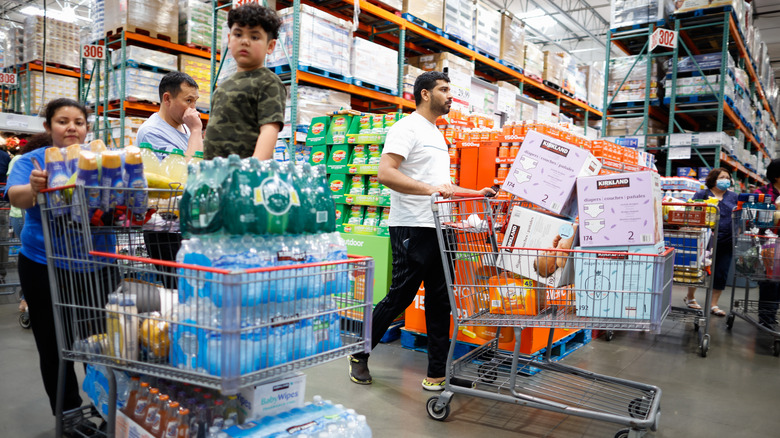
[{"x": 31, "y": 10}]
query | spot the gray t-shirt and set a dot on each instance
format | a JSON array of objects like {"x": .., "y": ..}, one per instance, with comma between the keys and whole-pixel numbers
[{"x": 162, "y": 136}]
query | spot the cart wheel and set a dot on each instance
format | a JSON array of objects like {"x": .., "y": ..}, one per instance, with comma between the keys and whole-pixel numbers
[
  {"x": 623, "y": 433},
  {"x": 637, "y": 408},
  {"x": 437, "y": 414},
  {"x": 730, "y": 321},
  {"x": 24, "y": 320},
  {"x": 656, "y": 421},
  {"x": 705, "y": 345},
  {"x": 609, "y": 335},
  {"x": 486, "y": 374},
  {"x": 776, "y": 348}
]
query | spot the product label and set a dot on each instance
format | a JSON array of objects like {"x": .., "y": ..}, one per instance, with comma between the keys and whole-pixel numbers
[
  {"x": 318, "y": 157},
  {"x": 277, "y": 196},
  {"x": 317, "y": 128}
]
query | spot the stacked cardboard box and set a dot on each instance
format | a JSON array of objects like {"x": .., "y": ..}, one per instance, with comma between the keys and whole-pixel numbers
[
  {"x": 533, "y": 64},
  {"x": 512, "y": 40},
  {"x": 429, "y": 11},
  {"x": 459, "y": 19},
  {"x": 142, "y": 85},
  {"x": 631, "y": 12},
  {"x": 152, "y": 58},
  {"x": 157, "y": 17},
  {"x": 62, "y": 45},
  {"x": 440, "y": 61},
  {"x": 195, "y": 22},
  {"x": 487, "y": 28},
  {"x": 313, "y": 102},
  {"x": 97, "y": 14},
  {"x": 554, "y": 64},
  {"x": 14, "y": 49},
  {"x": 410, "y": 76},
  {"x": 374, "y": 64},
  {"x": 325, "y": 41},
  {"x": 56, "y": 86},
  {"x": 200, "y": 70},
  {"x": 634, "y": 83}
]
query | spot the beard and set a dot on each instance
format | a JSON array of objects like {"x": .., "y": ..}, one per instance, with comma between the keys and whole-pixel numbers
[{"x": 442, "y": 109}]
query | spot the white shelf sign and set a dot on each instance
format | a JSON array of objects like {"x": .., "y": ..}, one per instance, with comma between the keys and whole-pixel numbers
[
  {"x": 93, "y": 51},
  {"x": 460, "y": 84},
  {"x": 7, "y": 79},
  {"x": 664, "y": 38},
  {"x": 506, "y": 101},
  {"x": 679, "y": 152}
]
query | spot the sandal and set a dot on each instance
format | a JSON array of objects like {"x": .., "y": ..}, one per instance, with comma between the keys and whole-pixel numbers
[
  {"x": 715, "y": 310},
  {"x": 692, "y": 304}
]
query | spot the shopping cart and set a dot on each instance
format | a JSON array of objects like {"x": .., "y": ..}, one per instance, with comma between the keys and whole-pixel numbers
[
  {"x": 9, "y": 250},
  {"x": 756, "y": 259},
  {"x": 688, "y": 228},
  {"x": 471, "y": 232},
  {"x": 218, "y": 328}
]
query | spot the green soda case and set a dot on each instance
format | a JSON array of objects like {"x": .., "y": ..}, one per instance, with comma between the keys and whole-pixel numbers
[{"x": 356, "y": 213}]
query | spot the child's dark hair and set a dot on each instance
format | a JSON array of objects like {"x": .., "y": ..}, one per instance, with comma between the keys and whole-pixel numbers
[
  {"x": 254, "y": 14},
  {"x": 62, "y": 102},
  {"x": 171, "y": 83},
  {"x": 427, "y": 81}
]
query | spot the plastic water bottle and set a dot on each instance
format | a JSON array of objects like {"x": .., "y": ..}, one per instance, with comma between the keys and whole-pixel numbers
[
  {"x": 300, "y": 212},
  {"x": 238, "y": 197},
  {"x": 325, "y": 206},
  {"x": 278, "y": 197},
  {"x": 363, "y": 430}
]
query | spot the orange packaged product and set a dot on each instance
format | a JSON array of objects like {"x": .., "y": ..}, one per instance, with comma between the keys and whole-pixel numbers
[
  {"x": 514, "y": 295},
  {"x": 503, "y": 151},
  {"x": 503, "y": 172},
  {"x": 520, "y": 129},
  {"x": 513, "y": 150},
  {"x": 560, "y": 296},
  {"x": 508, "y": 129}
]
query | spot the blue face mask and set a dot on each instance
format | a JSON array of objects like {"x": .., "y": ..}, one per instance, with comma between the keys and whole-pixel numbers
[{"x": 723, "y": 184}]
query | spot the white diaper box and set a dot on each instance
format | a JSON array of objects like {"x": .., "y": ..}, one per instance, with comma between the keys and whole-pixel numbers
[
  {"x": 618, "y": 282},
  {"x": 620, "y": 209},
  {"x": 545, "y": 173},
  {"x": 539, "y": 231}
]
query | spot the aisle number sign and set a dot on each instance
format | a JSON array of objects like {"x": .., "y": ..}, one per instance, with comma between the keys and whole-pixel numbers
[
  {"x": 93, "y": 51},
  {"x": 663, "y": 38},
  {"x": 460, "y": 85},
  {"x": 7, "y": 79}
]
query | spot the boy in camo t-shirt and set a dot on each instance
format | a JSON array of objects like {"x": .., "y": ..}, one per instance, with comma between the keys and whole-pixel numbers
[{"x": 248, "y": 108}]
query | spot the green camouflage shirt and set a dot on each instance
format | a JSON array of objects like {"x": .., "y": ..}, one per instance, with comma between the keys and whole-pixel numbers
[{"x": 240, "y": 106}]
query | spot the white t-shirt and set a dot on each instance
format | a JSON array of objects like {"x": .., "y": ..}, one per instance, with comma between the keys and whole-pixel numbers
[
  {"x": 162, "y": 136},
  {"x": 425, "y": 159}
]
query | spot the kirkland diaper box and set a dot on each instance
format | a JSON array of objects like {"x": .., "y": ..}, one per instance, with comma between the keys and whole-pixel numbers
[
  {"x": 610, "y": 285},
  {"x": 620, "y": 209},
  {"x": 532, "y": 229},
  {"x": 545, "y": 172}
]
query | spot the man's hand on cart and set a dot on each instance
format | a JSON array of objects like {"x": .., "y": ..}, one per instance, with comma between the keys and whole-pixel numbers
[{"x": 449, "y": 190}]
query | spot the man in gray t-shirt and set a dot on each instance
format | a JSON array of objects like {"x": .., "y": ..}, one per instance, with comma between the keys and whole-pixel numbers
[{"x": 177, "y": 125}]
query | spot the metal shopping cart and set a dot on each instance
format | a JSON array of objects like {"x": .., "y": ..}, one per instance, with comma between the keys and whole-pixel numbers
[
  {"x": 607, "y": 292},
  {"x": 688, "y": 228},
  {"x": 219, "y": 328},
  {"x": 756, "y": 259},
  {"x": 9, "y": 250}
]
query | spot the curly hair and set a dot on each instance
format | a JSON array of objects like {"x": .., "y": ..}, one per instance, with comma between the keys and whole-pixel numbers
[{"x": 254, "y": 14}]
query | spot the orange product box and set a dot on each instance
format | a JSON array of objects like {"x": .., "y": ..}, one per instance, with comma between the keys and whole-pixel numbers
[
  {"x": 612, "y": 164},
  {"x": 604, "y": 171},
  {"x": 514, "y": 295},
  {"x": 631, "y": 168},
  {"x": 560, "y": 296},
  {"x": 630, "y": 156}
]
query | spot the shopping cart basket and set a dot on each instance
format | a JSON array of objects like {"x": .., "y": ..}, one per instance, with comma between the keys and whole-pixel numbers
[
  {"x": 688, "y": 228},
  {"x": 756, "y": 259},
  {"x": 225, "y": 329},
  {"x": 611, "y": 291}
]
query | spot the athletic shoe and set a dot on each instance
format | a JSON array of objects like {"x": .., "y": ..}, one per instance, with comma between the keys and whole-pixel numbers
[
  {"x": 358, "y": 371},
  {"x": 430, "y": 386}
]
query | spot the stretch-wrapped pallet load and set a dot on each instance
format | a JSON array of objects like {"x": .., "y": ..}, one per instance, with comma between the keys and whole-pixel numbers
[
  {"x": 428, "y": 11},
  {"x": 200, "y": 70},
  {"x": 594, "y": 82},
  {"x": 512, "y": 40},
  {"x": 14, "y": 49},
  {"x": 140, "y": 85},
  {"x": 314, "y": 102},
  {"x": 534, "y": 61},
  {"x": 375, "y": 64},
  {"x": 553, "y": 67},
  {"x": 631, "y": 12},
  {"x": 440, "y": 61},
  {"x": 325, "y": 41},
  {"x": 701, "y": 86},
  {"x": 152, "y": 58},
  {"x": 633, "y": 127},
  {"x": 195, "y": 22},
  {"x": 97, "y": 16},
  {"x": 459, "y": 19},
  {"x": 158, "y": 18},
  {"x": 62, "y": 43},
  {"x": 411, "y": 73},
  {"x": 487, "y": 28},
  {"x": 635, "y": 87},
  {"x": 695, "y": 5},
  {"x": 56, "y": 86},
  {"x": 580, "y": 85}
]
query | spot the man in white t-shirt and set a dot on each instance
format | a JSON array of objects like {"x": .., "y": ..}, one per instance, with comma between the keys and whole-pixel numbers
[
  {"x": 415, "y": 164},
  {"x": 177, "y": 125}
]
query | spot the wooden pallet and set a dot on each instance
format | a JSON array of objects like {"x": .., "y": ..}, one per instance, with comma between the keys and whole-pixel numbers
[{"x": 141, "y": 31}]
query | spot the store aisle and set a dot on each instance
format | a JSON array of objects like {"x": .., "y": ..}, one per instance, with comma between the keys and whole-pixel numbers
[{"x": 733, "y": 392}]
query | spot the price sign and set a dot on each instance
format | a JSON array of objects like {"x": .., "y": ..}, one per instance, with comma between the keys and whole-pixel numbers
[
  {"x": 93, "y": 51},
  {"x": 507, "y": 101},
  {"x": 237, "y": 3},
  {"x": 7, "y": 79},
  {"x": 460, "y": 85},
  {"x": 679, "y": 152},
  {"x": 663, "y": 38}
]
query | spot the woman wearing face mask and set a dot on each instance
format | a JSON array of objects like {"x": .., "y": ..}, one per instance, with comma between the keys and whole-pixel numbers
[{"x": 718, "y": 184}]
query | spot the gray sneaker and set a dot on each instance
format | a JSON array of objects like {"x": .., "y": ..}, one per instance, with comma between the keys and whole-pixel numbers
[{"x": 358, "y": 371}]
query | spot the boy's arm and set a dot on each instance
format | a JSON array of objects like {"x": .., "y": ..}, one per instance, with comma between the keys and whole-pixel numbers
[{"x": 266, "y": 141}]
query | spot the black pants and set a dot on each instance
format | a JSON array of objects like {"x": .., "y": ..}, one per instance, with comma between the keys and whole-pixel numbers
[
  {"x": 34, "y": 279},
  {"x": 768, "y": 301},
  {"x": 416, "y": 259},
  {"x": 163, "y": 245}
]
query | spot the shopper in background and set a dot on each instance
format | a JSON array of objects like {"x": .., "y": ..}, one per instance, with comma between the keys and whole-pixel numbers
[
  {"x": 415, "y": 165},
  {"x": 718, "y": 185},
  {"x": 66, "y": 122},
  {"x": 5, "y": 158},
  {"x": 177, "y": 125},
  {"x": 248, "y": 108},
  {"x": 769, "y": 291}
]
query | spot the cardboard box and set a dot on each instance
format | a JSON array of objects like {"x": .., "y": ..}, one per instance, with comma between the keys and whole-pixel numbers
[
  {"x": 440, "y": 61},
  {"x": 545, "y": 172},
  {"x": 620, "y": 210},
  {"x": 272, "y": 398},
  {"x": 611, "y": 285},
  {"x": 429, "y": 11},
  {"x": 487, "y": 28},
  {"x": 459, "y": 19},
  {"x": 512, "y": 40},
  {"x": 531, "y": 229}
]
